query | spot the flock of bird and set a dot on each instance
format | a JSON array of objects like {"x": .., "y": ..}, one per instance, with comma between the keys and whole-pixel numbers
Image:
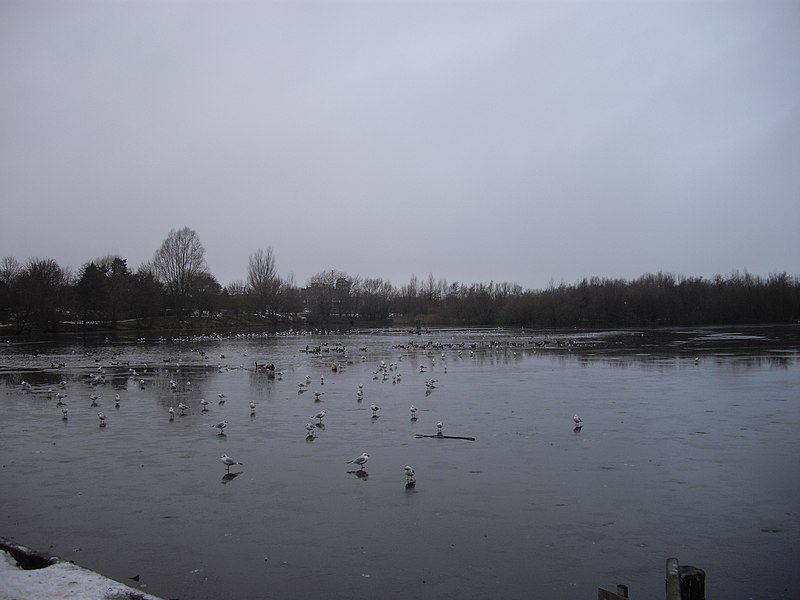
[
  {"x": 381, "y": 372},
  {"x": 311, "y": 428}
]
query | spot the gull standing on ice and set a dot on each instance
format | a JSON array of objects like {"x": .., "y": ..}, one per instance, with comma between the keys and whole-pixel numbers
[
  {"x": 320, "y": 415},
  {"x": 409, "y": 473},
  {"x": 228, "y": 461},
  {"x": 360, "y": 461},
  {"x": 310, "y": 429}
]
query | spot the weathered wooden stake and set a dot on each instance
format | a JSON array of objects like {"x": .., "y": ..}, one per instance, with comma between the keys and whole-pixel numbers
[
  {"x": 693, "y": 583},
  {"x": 685, "y": 583},
  {"x": 673, "y": 580},
  {"x": 621, "y": 593}
]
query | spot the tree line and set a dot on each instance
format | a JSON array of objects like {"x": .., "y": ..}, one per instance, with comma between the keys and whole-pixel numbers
[{"x": 176, "y": 285}]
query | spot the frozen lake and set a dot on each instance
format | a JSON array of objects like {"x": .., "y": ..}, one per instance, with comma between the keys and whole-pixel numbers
[{"x": 689, "y": 449}]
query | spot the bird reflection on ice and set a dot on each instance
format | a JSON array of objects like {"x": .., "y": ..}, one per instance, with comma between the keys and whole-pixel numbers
[{"x": 230, "y": 477}]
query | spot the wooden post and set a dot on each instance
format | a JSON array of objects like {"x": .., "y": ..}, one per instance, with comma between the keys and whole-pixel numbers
[
  {"x": 693, "y": 583},
  {"x": 673, "y": 580},
  {"x": 685, "y": 583},
  {"x": 621, "y": 594}
]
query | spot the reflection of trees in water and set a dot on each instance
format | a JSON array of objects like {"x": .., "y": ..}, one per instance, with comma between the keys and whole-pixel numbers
[
  {"x": 262, "y": 384},
  {"x": 748, "y": 362}
]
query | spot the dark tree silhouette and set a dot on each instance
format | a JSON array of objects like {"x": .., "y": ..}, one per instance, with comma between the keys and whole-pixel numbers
[{"x": 179, "y": 260}]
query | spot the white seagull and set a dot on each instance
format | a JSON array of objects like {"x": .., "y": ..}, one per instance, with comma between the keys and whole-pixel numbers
[
  {"x": 375, "y": 408},
  {"x": 205, "y": 404},
  {"x": 578, "y": 421},
  {"x": 310, "y": 429},
  {"x": 228, "y": 461},
  {"x": 413, "y": 412},
  {"x": 439, "y": 428},
  {"x": 360, "y": 461},
  {"x": 320, "y": 415},
  {"x": 221, "y": 427},
  {"x": 409, "y": 473}
]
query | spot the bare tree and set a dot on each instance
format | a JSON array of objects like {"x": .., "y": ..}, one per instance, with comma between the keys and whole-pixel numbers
[
  {"x": 236, "y": 287},
  {"x": 409, "y": 296},
  {"x": 377, "y": 297},
  {"x": 263, "y": 281},
  {"x": 10, "y": 269},
  {"x": 320, "y": 296},
  {"x": 236, "y": 296},
  {"x": 348, "y": 294},
  {"x": 291, "y": 299},
  {"x": 178, "y": 262},
  {"x": 42, "y": 287}
]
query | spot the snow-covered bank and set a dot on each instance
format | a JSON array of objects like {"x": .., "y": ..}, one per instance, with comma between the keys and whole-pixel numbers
[{"x": 26, "y": 575}]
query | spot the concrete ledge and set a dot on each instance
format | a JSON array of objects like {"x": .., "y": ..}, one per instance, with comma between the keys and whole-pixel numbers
[{"x": 29, "y": 575}]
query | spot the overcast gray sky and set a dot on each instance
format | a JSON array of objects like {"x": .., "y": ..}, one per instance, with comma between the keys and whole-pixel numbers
[{"x": 522, "y": 141}]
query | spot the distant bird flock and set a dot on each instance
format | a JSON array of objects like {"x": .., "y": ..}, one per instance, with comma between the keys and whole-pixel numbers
[{"x": 381, "y": 372}]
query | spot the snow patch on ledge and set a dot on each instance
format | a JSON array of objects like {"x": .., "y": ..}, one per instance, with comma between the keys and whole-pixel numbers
[{"x": 60, "y": 581}]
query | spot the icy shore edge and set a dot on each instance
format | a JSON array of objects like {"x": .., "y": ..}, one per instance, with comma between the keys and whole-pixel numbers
[{"x": 29, "y": 575}]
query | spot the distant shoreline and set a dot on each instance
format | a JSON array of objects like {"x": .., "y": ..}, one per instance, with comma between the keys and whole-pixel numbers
[{"x": 669, "y": 339}]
